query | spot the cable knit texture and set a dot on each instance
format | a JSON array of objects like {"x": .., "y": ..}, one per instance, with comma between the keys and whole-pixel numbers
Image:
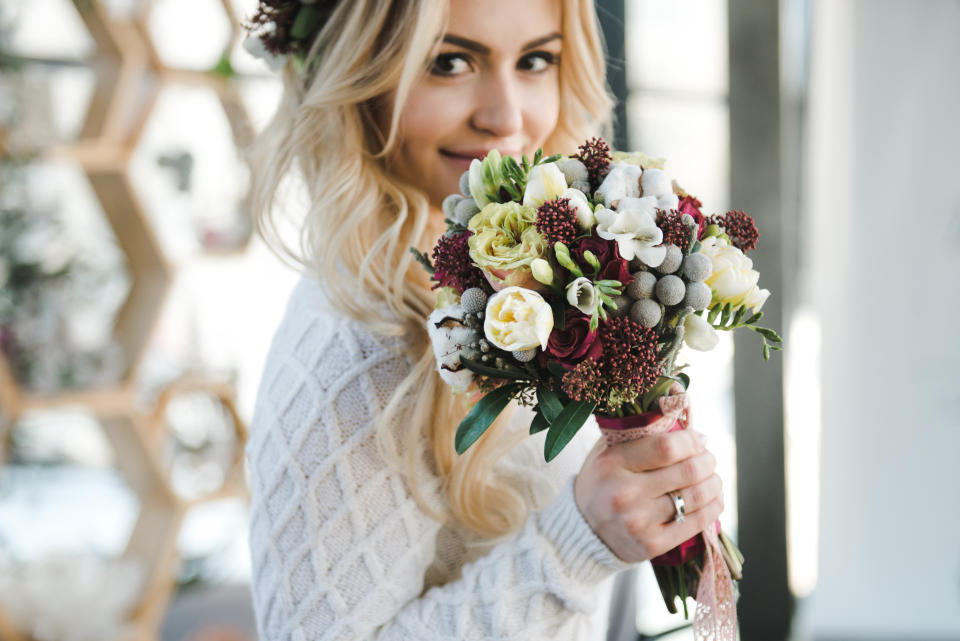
[{"x": 340, "y": 548}]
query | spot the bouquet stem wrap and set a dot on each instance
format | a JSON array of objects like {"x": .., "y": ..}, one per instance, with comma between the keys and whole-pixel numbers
[{"x": 716, "y": 614}]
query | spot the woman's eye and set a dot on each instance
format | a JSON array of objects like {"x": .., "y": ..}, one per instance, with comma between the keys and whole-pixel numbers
[
  {"x": 450, "y": 64},
  {"x": 538, "y": 61}
]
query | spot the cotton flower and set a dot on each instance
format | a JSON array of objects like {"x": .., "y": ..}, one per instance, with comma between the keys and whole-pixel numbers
[
  {"x": 544, "y": 182},
  {"x": 622, "y": 181},
  {"x": 657, "y": 184},
  {"x": 450, "y": 338},
  {"x": 518, "y": 319},
  {"x": 634, "y": 229}
]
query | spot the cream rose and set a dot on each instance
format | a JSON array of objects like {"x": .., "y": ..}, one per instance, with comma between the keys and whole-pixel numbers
[
  {"x": 732, "y": 278},
  {"x": 518, "y": 319}
]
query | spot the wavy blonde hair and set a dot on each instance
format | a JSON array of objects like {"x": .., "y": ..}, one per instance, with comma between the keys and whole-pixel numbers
[{"x": 325, "y": 129}]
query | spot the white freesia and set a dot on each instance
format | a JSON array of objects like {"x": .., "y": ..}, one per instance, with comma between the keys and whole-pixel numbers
[
  {"x": 448, "y": 337},
  {"x": 580, "y": 205},
  {"x": 634, "y": 229},
  {"x": 254, "y": 46},
  {"x": 477, "y": 176},
  {"x": 544, "y": 182},
  {"x": 698, "y": 334},
  {"x": 657, "y": 183},
  {"x": 582, "y": 294},
  {"x": 732, "y": 278},
  {"x": 518, "y": 319},
  {"x": 622, "y": 181}
]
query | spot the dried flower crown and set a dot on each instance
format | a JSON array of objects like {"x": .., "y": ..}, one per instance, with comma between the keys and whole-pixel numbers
[{"x": 282, "y": 28}]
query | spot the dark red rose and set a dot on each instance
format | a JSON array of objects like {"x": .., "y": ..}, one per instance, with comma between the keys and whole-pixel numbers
[
  {"x": 612, "y": 266},
  {"x": 690, "y": 205},
  {"x": 575, "y": 342}
]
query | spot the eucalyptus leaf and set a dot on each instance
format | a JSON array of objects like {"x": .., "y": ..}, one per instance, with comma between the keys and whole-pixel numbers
[
  {"x": 565, "y": 427},
  {"x": 539, "y": 423},
  {"x": 550, "y": 404},
  {"x": 482, "y": 415}
]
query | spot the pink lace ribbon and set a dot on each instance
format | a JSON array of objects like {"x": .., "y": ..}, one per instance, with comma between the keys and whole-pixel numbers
[{"x": 715, "y": 618}]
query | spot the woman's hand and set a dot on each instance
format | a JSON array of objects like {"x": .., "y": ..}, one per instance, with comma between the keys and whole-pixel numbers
[{"x": 622, "y": 492}]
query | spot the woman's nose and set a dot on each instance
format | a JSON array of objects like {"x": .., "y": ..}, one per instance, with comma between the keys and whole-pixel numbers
[{"x": 499, "y": 111}]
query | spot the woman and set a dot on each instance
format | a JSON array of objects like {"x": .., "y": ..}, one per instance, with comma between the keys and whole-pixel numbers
[{"x": 365, "y": 522}]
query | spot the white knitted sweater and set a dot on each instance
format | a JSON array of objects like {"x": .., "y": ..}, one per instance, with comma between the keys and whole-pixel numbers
[{"x": 341, "y": 550}]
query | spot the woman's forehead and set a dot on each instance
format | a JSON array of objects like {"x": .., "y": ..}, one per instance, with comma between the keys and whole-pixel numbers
[{"x": 503, "y": 25}]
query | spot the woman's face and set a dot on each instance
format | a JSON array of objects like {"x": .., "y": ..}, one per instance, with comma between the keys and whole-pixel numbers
[{"x": 494, "y": 84}]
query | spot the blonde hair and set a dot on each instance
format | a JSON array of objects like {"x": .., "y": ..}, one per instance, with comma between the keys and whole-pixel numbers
[{"x": 325, "y": 129}]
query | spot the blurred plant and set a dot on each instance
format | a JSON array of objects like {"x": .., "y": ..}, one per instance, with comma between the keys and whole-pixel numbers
[
  {"x": 71, "y": 598},
  {"x": 45, "y": 285}
]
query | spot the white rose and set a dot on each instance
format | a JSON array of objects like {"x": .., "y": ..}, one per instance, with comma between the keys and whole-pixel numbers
[
  {"x": 518, "y": 319},
  {"x": 622, "y": 181},
  {"x": 634, "y": 229},
  {"x": 732, "y": 278},
  {"x": 698, "y": 334},
  {"x": 448, "y": 337},
  {"x": 583, "y": 295},
  {"x": 544, "y": 182}
]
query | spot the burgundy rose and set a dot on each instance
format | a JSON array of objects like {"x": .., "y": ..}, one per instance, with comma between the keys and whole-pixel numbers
[
  {"x": 612, "y": 266},
  {"x": 575, "y": 342},
  {"x": 690, "y": 205}
]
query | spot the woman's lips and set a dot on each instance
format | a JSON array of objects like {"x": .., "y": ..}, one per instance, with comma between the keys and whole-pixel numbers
[{"x": 463, "y": 159}]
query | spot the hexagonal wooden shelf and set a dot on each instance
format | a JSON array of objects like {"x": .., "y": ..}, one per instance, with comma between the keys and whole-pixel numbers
[{"x": 129, "y": 76}]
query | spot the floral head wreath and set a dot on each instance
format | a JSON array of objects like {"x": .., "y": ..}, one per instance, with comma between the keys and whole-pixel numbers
[{"x": 282, "y": 28}]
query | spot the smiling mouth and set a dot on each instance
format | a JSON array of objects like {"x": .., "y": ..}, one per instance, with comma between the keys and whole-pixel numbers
[{"x": 456, "y": 156}]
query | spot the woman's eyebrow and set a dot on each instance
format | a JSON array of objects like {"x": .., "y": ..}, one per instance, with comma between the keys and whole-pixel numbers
[{"x": 472, "y": 45}]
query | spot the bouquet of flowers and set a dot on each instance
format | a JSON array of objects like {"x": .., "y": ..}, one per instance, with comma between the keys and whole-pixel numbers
[{"x": 570, "y": 283}]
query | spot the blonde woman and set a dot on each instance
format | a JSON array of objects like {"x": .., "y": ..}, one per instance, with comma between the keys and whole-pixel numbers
[{"x": 365, "y": 522}]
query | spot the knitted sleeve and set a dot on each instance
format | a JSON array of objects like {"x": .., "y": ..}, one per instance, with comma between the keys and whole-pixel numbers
[{"x": 339, "y": 546}]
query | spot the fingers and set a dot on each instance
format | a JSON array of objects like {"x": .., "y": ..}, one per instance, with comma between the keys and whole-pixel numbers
[
  {"x": 673, "y": 533},
  {"x": 696, "y": 497},
  {"x": 691, "y": 471},
  {"x": 660, "y": 450}
]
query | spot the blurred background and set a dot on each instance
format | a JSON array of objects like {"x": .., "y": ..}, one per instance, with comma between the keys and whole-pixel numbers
[{"x": 136, "y": 306}]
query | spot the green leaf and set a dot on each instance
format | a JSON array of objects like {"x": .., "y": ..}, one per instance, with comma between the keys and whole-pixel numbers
[
  {"x": 539, "y": 423},
  {"x": 307, "y": 20},
  {"x": 553, "y": 158},
  {"x": 555, "y": 368},
  {"x": 482, "y": 415},
  {"x": 565, "y": 427},
  {"x": 550, "y": 404},
  {"x": 537, "y": 156},
  {"x": 684, "y": 380},
  {"x": 493, "y": 372}
]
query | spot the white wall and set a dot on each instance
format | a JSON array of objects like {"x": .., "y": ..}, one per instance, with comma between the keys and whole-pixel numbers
[{"x": 883, "y": 208}]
